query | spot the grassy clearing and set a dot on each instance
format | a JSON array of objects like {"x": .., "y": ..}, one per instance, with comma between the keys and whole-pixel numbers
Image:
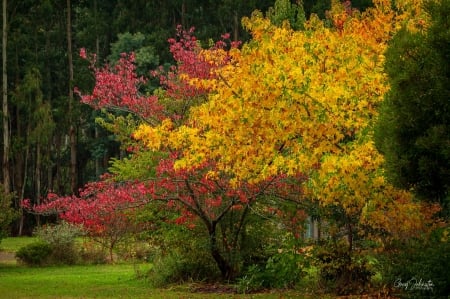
[
  {"x": 14, "y": 244},
  {"x": 100, "y": 281},
  {"x": 94, "y": 281},
  {"x": 105, "y": 281}
]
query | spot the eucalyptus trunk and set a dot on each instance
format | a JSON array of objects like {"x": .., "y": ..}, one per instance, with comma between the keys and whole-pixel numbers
[
  {"x": 72, "y": 129},
  {"x": 6, "y": 138},
  {"x": 38, "y": 179}
]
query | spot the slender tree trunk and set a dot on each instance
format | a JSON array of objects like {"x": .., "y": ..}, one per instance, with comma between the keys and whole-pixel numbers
[
  {"x": 240, "y": 226},
  {"x": 349, "y": 235},
  {"x": 58, "y": 185},
  {"x": 224, "y": 267},
  {"x": 38, "y": 180},
  {"x": 183, "y": 14},
  {"x": 97, "y": 52},
  {"x": 6, "y": 139},
  {"x": 236, "y": 27},
  {"x": 20, "y": 158},
  {"x": 97, "y": 40},
  {"x": 72, "y": 130},
  {"x": 22, "y": 191},
  {"x": 49, "y": 95}
]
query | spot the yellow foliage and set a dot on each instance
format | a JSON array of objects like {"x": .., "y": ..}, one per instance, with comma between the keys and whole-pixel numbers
[
  {"x": 290, "y": 97},
  {"x": 302, "y": 101}
]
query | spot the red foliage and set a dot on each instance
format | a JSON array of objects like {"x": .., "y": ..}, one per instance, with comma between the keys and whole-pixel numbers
[
  {"x": 117, "y": 87},
  {"x": 101, "y": 205},
  {"x": 185, "y": 49}
]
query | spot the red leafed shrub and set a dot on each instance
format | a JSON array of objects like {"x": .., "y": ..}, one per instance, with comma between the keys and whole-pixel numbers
[{"x": 104, "y": 210}]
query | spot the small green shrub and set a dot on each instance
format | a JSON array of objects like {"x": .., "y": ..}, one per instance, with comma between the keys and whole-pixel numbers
[
  {"x": 61, "y": 238},
  {"x": 254, "y": 279},
  {"x": 341, "y": 271},
  {"x": 179, "y": 254},
  {"x": 35, "y": 254},
  {"x": 183, "y": 267},
  {"x": 284, "y": 268}
]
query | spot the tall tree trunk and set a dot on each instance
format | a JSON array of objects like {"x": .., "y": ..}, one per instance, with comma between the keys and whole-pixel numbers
[
  {"x": 72, "y": 130},
  {"x": 22, "y": 191},
  {"x": 6, "y": 139},
  {"x": 97, "y": 53},
  {"x": 58, "y": 185},
  {"x": 183, "y": 14},
  {"x": 38, "y": 179},
  {"x": 235, "y": 27},
  {"x": 225, "y": 268},
  {"x": 20, "y": 158}
]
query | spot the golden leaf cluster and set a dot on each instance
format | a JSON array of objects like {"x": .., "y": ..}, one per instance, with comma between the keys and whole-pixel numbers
[{"x": 300, "y": 102}]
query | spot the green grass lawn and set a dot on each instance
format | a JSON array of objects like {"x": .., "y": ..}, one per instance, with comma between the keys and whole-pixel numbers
[
  {"x": 99, "y": 281},
  {"x": 94, "y": 281},
  {"x": 14, "y": 244}
]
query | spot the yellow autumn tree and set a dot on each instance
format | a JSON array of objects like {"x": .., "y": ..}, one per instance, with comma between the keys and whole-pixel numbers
[{"x": 303, "y": 102}]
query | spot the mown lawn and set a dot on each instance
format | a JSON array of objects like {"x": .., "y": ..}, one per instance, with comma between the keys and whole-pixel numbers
[
  {"x": 14, "y": 244},
  {"x": 95, "y": 281},
  {"x": 99, "y": 281}
]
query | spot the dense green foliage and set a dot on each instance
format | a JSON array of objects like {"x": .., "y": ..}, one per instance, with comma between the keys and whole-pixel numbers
[
  {"x": 414, "y": 126},
  {"x": 413, "y": 133},
  {"x": 424, "y": 264},
  {"x": 282, "y": 265},
  {"x": 35, "y": 254}
]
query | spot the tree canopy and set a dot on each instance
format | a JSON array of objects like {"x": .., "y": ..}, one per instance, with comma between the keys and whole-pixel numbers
[{"x": 305, "y": 102}]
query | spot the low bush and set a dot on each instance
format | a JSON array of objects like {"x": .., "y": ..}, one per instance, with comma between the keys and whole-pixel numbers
[
  {"x": 179, "y": 267},
  {"x": 61, "y": 237},
  {"x": 285, "y": 267},
  {"x": 35, "y": 254},
  {"x": 179, "y": 255},
  {"x": 342, "y": 271}
]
